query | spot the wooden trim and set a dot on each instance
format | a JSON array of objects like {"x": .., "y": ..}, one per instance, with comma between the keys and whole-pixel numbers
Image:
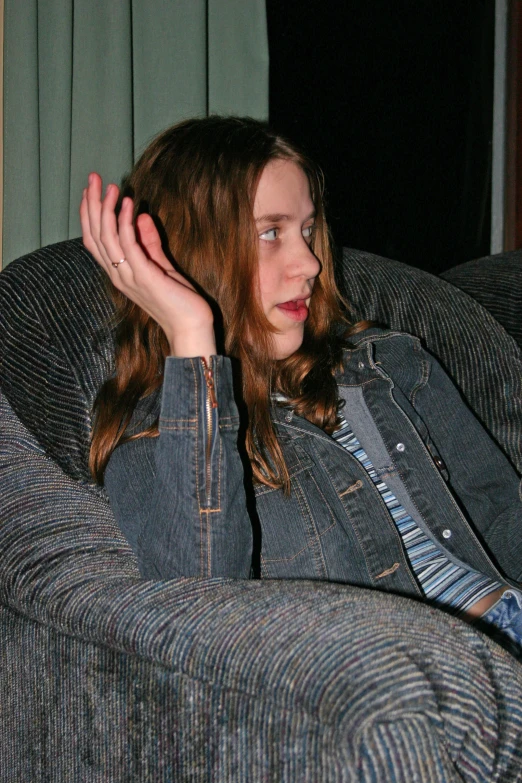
[{"x": 513, "y": 175}]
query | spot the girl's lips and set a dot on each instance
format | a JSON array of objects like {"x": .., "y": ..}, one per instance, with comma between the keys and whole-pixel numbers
[{"x": 296, "y": 310}]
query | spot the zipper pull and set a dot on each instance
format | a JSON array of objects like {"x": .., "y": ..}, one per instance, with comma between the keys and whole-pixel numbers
[{"x": 209, "y": 378}]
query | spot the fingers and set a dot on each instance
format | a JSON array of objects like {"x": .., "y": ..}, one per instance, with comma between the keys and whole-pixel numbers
[
  {"x": 146, "y": 276},
  {"x": 98, "y": 221},
  {"x": 91, "y": 213},
  {"x": 109, "y": 242},
  {"x": 103, "y": 222},
  {"x": 110, "y": 239},
  {"x": 87, "y": 237},
  {"x": 99, "y": 226},
  {"x": 149, "y": 239}
]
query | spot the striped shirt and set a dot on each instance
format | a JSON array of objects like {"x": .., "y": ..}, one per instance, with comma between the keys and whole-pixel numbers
[{"x": 441, "y": 580}]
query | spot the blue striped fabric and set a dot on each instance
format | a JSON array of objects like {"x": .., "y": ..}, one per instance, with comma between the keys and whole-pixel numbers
[{"x": 441, "y": 580}]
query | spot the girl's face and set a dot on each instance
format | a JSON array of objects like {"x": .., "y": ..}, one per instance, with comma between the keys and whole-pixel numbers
[{"x": 284, "y": 215}]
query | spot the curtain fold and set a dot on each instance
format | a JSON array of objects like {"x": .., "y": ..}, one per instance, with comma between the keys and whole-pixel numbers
[{"x": 87, "y": 84}]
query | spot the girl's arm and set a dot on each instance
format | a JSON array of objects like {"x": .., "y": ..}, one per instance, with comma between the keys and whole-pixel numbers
[{"x": 179, "y": 498}]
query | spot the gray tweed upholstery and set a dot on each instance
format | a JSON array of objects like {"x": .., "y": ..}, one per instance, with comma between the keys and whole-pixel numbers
[
  {"x": 107, "y": 677},
  {"x": 55, "y": 348},
  {"x": 495, "y": 282}
]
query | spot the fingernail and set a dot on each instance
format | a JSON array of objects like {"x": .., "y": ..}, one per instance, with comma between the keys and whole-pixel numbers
[{"x": 90, "y": 179}]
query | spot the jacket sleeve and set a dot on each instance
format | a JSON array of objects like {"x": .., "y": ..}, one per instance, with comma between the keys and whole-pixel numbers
[
  {"x": 479, "y": 474},
  {"x": 179, "y": 498}
]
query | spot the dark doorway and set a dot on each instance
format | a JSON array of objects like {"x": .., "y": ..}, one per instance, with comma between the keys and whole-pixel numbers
[{"x": 394, "y": 100}]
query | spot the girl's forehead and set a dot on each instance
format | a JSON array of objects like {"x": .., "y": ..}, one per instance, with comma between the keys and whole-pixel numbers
[{"x": 283, "y": 188}]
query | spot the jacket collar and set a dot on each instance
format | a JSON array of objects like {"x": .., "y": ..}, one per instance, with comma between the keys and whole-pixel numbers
[{"x": 358, "y": 368}]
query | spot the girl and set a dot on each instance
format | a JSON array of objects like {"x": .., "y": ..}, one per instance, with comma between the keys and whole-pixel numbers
[{"x": 242, "y": 433}]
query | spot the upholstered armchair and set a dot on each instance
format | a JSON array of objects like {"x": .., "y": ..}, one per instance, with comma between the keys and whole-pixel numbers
[{"x": 108, "y": 677}]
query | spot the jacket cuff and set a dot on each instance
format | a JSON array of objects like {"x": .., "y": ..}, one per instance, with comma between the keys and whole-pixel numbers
[{"x": 184, "y": 387}]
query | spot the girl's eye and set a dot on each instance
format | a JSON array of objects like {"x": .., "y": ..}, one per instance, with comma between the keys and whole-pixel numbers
[
  {"x": 269, "y": 235},
  {"x": 308, "y": 232}
]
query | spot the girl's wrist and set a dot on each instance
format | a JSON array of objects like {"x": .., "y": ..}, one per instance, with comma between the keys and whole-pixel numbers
[{"x": 187, "y": 346}]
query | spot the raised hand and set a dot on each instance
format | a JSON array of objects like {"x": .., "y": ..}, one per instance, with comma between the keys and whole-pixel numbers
[{"x": 138, "y": 267}]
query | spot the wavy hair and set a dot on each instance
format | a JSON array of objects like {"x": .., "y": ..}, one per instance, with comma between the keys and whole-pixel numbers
[{"x": 198, "y": 181}]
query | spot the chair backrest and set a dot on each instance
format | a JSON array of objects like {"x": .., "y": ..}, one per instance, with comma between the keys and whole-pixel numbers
[
  {"x": 56, "y": 343},
  {"x": 495, "y": 282},
  {"x": 56, "y": 347}
]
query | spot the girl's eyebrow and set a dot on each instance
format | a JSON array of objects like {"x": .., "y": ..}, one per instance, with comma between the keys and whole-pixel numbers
[{"x": 278, "y": 217}]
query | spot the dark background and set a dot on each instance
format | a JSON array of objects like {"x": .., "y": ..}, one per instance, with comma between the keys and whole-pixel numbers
[{"x": 394, "y": 99}]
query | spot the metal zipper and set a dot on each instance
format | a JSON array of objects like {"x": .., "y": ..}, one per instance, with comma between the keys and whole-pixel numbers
[{"x": 210, "y": 405}]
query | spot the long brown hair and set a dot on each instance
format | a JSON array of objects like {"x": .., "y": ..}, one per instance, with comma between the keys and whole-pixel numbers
[{"x": 198, "y": 181}]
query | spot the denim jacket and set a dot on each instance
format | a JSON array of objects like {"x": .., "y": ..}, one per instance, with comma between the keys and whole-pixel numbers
[{"x": 187, "y": 506}]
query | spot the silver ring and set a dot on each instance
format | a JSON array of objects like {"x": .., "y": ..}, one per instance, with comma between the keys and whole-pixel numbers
[{"x": 117, "y": 263}]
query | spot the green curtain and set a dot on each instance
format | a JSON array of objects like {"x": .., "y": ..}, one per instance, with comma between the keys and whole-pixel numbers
[{"x": 87, "y": 83}]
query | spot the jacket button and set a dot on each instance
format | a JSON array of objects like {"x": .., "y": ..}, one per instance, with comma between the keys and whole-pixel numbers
[
  {"x": 400, "y": 447},
  {"x": 446, "y": 533},
  {"x": 289, "y": 416},
  {"x": 439, "y": 463},
  {"x": 361, "y": 365}
]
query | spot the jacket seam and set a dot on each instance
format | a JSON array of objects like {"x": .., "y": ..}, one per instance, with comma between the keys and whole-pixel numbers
[
  {"x": 220, "y": 463},
  {"x": 320, "y": 534},
  {"x": 363, "y": 341},
  {"x": 303, "y": 549},
  {"x": 209, "y": 564},
  {"x": 178, "y": 427},
  {"x": 340, "y": 384},
  {"x": 170, "y": 420},
  {"x": 425, "y": 374},
  {"x": 300, "y": 496},
  {"x": 313, "y": 529},
  {"x": 294, "y": 471},
  {"x": 201, "y": 523}
]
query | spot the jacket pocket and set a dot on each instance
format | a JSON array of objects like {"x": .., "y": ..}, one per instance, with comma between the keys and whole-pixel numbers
[{"x": 293, "y": 528}]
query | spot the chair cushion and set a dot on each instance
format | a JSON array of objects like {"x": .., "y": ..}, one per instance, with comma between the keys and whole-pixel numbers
[{"x": 482, "y": 358}]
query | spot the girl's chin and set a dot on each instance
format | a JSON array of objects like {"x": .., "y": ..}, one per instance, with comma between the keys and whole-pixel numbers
[{"x": 285, "y": 348}]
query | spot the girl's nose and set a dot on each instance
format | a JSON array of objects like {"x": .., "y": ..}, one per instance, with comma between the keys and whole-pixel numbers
[{"x": 305, "y": 263}]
